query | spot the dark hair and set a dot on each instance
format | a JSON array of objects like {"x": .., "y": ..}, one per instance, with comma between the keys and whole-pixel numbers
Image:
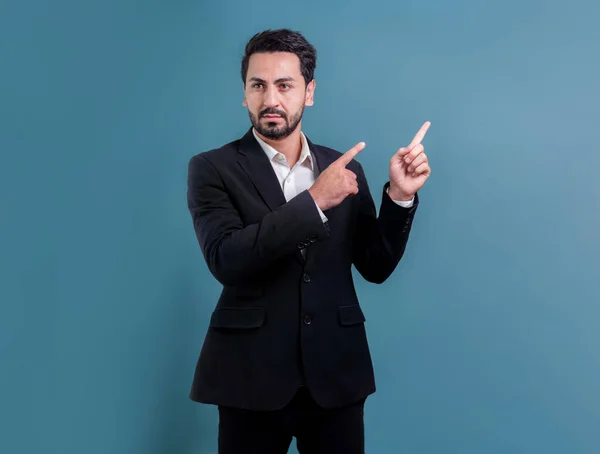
[{"x": 282, "y": 40}]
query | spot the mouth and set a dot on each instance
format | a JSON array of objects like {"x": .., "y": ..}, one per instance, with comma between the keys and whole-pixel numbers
[{"x": 271, "y": 117}]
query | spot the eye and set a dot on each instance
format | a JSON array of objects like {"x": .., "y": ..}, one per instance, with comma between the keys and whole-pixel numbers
[
  {"x": 257, "y": 85},
  {"x": 285, "y": 86}
]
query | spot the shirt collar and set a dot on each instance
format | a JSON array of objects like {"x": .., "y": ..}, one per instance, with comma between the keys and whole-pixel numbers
[{"x": 276, "y": 156}]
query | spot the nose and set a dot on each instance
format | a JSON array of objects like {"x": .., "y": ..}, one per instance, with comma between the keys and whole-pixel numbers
[{"x": 270, "y": 98}]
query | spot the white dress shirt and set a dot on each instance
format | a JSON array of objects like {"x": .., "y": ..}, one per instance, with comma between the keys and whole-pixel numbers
[{"x": 300, "y": 177}]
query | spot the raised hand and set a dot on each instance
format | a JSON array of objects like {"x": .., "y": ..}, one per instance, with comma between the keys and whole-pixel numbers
[
  {"x": 336, "y": 182},
  {"x": 409, "y": 168}
]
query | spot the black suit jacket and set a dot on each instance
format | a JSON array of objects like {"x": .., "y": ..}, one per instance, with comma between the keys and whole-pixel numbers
[{"x": 283, "y": 320}]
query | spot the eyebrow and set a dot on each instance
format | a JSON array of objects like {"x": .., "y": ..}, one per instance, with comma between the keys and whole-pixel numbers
[{"x": 278, "y": 81}]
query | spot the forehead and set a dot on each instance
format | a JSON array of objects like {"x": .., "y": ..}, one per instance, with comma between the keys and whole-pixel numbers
[{"x": 274, "y": 65}]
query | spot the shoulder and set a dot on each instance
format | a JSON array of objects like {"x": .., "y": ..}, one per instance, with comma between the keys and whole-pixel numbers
[{"x": 216, "y": 156}]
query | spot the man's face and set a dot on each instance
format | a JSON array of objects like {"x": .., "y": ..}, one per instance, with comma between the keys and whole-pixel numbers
[{"x": 275, "y": 93}]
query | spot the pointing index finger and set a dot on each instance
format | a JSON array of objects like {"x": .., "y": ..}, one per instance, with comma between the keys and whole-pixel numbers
[
  {"x": 420, "y": 134},
  {"x": 347, "y": 157}
]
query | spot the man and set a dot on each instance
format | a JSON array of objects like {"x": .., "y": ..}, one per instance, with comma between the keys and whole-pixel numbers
[{"x": 280, "y": 222}]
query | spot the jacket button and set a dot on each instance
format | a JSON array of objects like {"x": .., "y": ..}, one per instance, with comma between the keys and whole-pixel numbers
[
  {"x": 306, "y": 277},
  {"x": 300, "y": 245},
  {"x": 307, "y": 320}
]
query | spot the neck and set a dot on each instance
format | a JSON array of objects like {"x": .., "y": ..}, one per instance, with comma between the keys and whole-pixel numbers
[{"x": 290, "y": 146}]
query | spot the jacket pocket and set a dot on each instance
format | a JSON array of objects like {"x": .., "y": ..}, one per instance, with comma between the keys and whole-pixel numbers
[
  {"x": 234, "y": 317},
  {"x": 351, "y": 315}
]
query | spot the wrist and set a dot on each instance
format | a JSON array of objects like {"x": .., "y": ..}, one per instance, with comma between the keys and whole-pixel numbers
[
  {"x": 316, "y": 198},
  {"x": 398, "y": 195}
]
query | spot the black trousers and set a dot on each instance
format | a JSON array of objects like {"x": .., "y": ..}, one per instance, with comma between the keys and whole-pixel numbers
[{"x": 317, "y": 430}]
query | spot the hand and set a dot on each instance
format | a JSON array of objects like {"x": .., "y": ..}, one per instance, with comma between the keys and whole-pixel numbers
[
  {"x": 336, "y": 182},
  {"x": 409, "y": 168}
]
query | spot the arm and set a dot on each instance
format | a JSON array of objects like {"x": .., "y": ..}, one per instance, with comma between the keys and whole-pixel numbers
[
  {"x": 379, "y": 243},
  {"x": 233, "y": 252}
]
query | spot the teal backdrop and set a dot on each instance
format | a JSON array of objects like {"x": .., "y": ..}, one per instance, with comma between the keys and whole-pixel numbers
[{"x": 485, "y": 339}]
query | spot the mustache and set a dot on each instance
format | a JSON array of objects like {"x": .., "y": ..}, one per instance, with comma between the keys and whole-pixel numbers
[{"x": 272, "y": 112}]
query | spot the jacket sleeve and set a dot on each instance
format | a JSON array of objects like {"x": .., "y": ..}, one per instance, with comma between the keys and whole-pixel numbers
[
  {"x": 235, "y": 252},
  {"x": 380, "y": 242}
]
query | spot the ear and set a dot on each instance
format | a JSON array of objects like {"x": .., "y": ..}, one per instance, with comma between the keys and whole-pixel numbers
[
  {"x": 309, "y": 100},
  {"x": 245, "y": 101}
]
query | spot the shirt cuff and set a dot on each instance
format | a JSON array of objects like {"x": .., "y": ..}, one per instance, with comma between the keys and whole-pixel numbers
[
  {"x": 402, "y": 203},
  {"x": 323, "y": 217}
]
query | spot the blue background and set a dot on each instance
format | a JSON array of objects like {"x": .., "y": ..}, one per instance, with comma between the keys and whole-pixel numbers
[{"x": 485, "y": 339}]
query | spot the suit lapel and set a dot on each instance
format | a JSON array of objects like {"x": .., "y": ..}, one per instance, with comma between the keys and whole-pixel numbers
[
  {"x": 256, "y": 164},
  {"x": 322, "y": 160}
]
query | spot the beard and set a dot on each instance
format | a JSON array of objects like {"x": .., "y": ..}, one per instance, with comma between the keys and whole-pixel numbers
[{"x": 272, "y": 130}]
